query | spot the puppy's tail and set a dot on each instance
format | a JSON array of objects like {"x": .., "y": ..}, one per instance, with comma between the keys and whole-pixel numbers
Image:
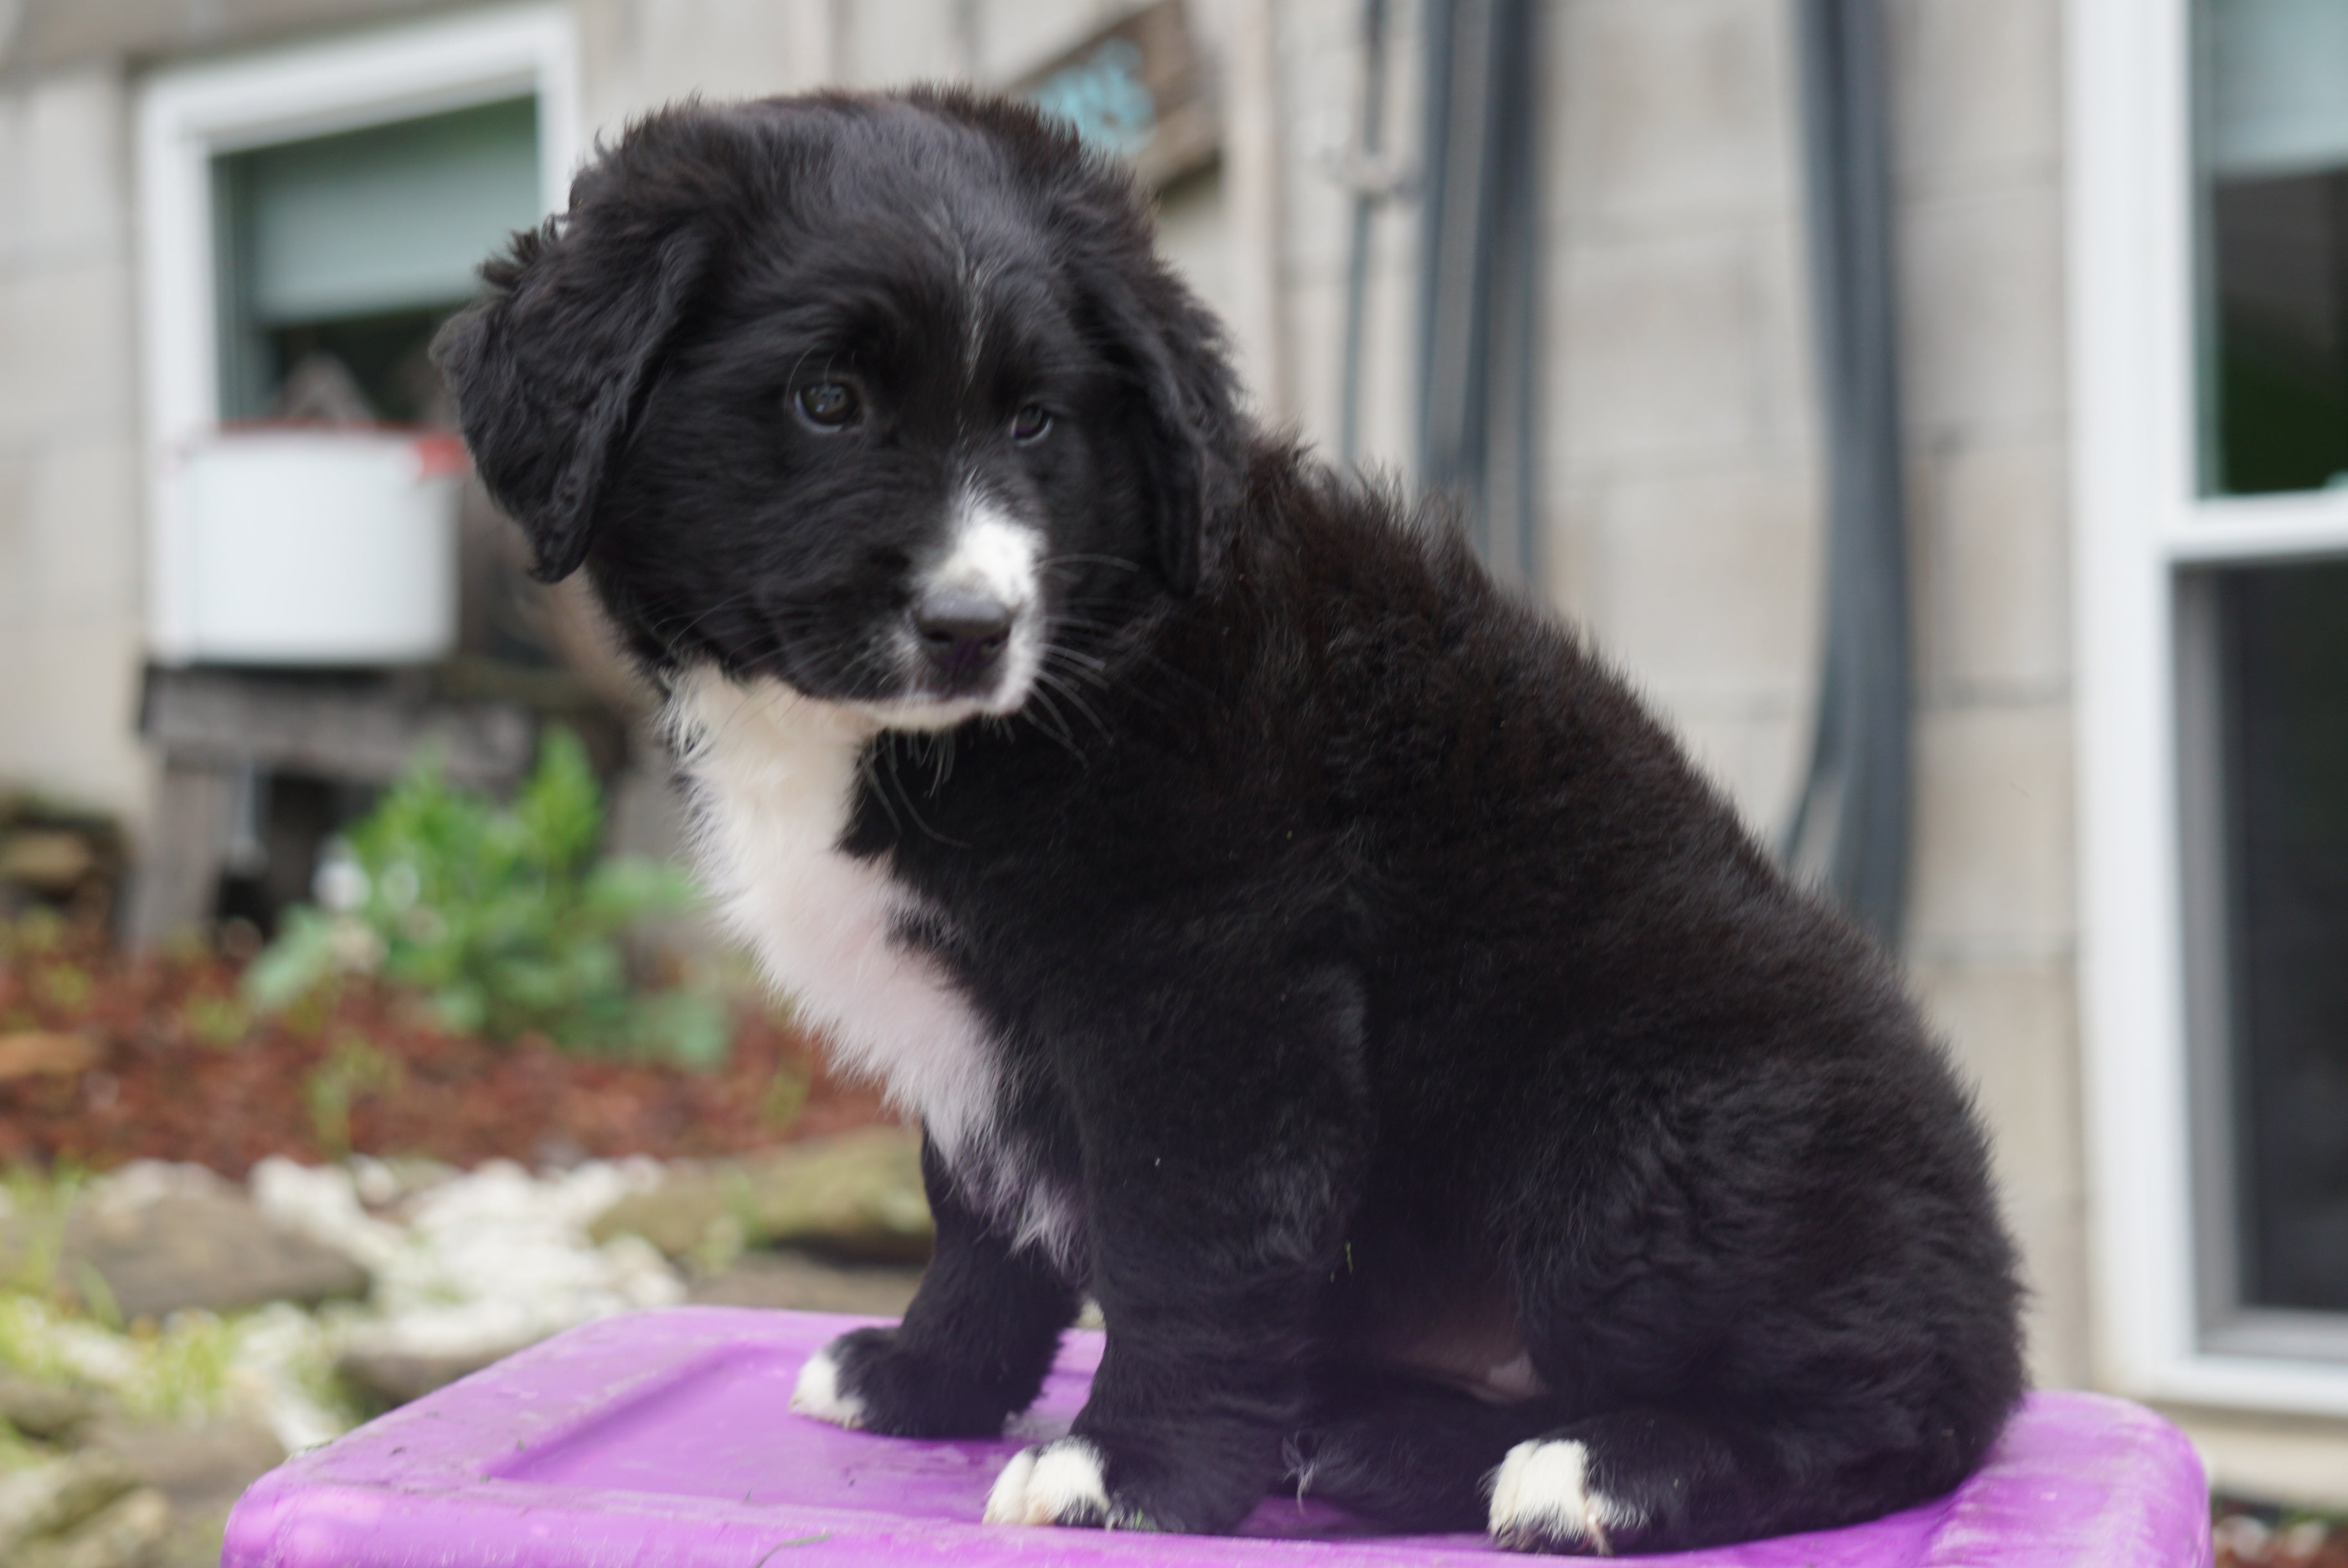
[{"x": 1410, "y": 1453}]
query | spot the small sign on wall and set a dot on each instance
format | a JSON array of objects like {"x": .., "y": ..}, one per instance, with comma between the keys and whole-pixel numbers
[{"x": 1136, "y": 89}]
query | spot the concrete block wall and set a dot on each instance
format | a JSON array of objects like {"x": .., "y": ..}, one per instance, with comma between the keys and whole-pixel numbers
[
  {"x": 1321, "y": 81},
  {"x": 70, "y": 563},
  {"x": 640, "y": 53},
  {"x": 1682, "y": 465},
  {"x": 1679, "y": 468},
  {"x": 1992, "y": 920}
]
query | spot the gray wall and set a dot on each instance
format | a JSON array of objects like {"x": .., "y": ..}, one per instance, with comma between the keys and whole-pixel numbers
[
  {"x": 69, "y": 465},
  {"x": 1994, "y": 924}
]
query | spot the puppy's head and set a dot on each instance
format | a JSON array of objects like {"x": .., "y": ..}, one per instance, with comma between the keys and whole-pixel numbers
[{"x": 886, "y": 397}]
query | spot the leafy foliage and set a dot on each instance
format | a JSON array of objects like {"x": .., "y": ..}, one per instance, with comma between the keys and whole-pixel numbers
[{"x": 504, "y": 916}]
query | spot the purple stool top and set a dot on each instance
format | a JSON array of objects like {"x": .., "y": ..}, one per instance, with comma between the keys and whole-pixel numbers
[{"x": 661, "y": 1441}]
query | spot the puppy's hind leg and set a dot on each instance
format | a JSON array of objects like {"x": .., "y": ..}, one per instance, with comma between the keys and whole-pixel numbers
[
  {"x": 1655, "y": 1480},
  {"x": 1633, "y": 1480},
  {"x": 1410, "y": 1453},
  {"x": 1415, "y": 1455}
]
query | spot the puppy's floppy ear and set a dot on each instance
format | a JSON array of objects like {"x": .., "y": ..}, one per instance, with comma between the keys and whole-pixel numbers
[
  {"x": 551, "y": 369},
  {"x": 1190, "y": 435}
]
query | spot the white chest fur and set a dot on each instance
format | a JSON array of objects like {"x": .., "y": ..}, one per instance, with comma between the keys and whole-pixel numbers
[{"x": 777, "y": 772}]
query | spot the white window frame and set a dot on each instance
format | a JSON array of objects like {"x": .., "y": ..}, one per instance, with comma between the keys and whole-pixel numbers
[
  {"x": 2139, "y": 517},
  {"x": 188, "y": 115}
]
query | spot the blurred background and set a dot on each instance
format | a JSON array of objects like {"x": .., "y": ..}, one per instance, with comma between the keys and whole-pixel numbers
[{"x": 1938, "y": 407}]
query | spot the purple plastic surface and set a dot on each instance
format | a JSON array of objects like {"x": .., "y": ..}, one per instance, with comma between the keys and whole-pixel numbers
[{"x": 661, "y": 1441}]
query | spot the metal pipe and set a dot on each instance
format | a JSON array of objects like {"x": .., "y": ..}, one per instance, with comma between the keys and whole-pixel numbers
[
  {"x": 1478, "y": 334},
  {"x": 1850, "y": 825},
  {"x": 1369, "y": 144}
]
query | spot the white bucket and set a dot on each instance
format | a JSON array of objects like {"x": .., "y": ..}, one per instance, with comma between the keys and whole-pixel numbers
[{"x": 318, "y": 545}]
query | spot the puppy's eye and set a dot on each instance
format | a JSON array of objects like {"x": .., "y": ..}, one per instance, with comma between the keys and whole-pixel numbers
[
  {"x": 1030, "y": 424},
  {"x": 829, "y": 406}
]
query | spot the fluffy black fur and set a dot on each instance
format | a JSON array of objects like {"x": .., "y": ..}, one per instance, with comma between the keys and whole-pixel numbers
[{"x": 1378, "y": 977}]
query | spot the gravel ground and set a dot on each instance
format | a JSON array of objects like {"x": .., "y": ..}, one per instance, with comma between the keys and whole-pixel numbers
[{"x": 137, "y": 1438}]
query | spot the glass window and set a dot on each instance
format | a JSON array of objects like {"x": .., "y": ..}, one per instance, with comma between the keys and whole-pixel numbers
[
  {"x": 345, "y": 252},
  {"x": 2263, "y": 680},
  {"x": 2282, "y": 686},
  {"x": 2273, "y": 110},
  {"x": 2212, "y": 597}
]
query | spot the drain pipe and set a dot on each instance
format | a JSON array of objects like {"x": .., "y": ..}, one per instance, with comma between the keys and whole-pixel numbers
[
  {"x": 1369, "y": 147},
  {"x": 1478, "y": 328},
  {"x": 1850, "y": 830}
]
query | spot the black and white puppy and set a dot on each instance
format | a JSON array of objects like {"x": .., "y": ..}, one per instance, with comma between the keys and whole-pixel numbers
[{"x": 1284, "y": 936}]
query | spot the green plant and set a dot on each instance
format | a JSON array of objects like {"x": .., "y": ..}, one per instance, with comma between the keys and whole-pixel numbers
[
  {"x": 37, "y": 930},
  {"x": 217, "y": 1020},
  {"x": 18, "y": 1451},
  {"x": 786, "y": 1097},
  {"x": 66, "y": 987},
  {"x": 39, "y": 1203},
  {"x": 186, "y": 1369},
  {"x": 504, "y": 916},
  {"x": 352, "y": 1069}
]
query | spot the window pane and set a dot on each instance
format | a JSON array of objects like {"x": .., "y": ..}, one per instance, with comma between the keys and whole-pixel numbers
[
  {"x": 339, "y": 255},
  {"x": 395, "y": 216},
  {"x": 2283, "y": 691},
  {"x": 2273, "y": 85}
]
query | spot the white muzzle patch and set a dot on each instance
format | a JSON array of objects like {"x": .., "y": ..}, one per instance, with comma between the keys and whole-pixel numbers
[{"x": 995, "y": 556}]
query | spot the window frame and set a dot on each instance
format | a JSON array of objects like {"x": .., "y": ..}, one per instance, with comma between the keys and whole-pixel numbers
[
  {"x": 191, "y": 114},
  {"x": 2169, "y": 1323}
]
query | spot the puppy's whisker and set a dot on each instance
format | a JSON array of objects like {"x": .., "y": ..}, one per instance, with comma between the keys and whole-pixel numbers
[
  {"x": 868, "y": 770},
  {"x": 1096, "y": 673},
  {"x": 906, "y": 800},
  {"x": 1051, "y": 679},
  {"x": 1048, "y": 718},
  {"x": 1083, "y": 669},
  {"x": 671, "y": 636}
]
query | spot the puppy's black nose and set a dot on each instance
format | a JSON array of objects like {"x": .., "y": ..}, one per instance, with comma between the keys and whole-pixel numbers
[{"x": 963, "y": 631}]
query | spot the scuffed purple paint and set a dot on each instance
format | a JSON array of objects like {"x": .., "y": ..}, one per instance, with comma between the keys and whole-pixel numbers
[{"x": 661, "y": 1441}]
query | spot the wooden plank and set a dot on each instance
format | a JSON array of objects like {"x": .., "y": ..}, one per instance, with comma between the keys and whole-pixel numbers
[
  {"x": 363, "y": 731},
  {"x": 178, "y": 878}
]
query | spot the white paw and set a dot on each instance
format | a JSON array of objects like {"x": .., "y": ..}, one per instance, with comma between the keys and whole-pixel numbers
[
  {"x": 1541, "y": 1498},
  {"x": 818, "y": 1393},
  {"x": 1044, "y": 1484}
]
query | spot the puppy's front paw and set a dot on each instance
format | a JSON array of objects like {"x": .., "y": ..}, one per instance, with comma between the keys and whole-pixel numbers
[
  {"x": 871, "y": 1379},
  {"x": 1542, "y": 1501},
  {"x": 1062, "y": 1483},
  {"x": 818, "y": 1392}
]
